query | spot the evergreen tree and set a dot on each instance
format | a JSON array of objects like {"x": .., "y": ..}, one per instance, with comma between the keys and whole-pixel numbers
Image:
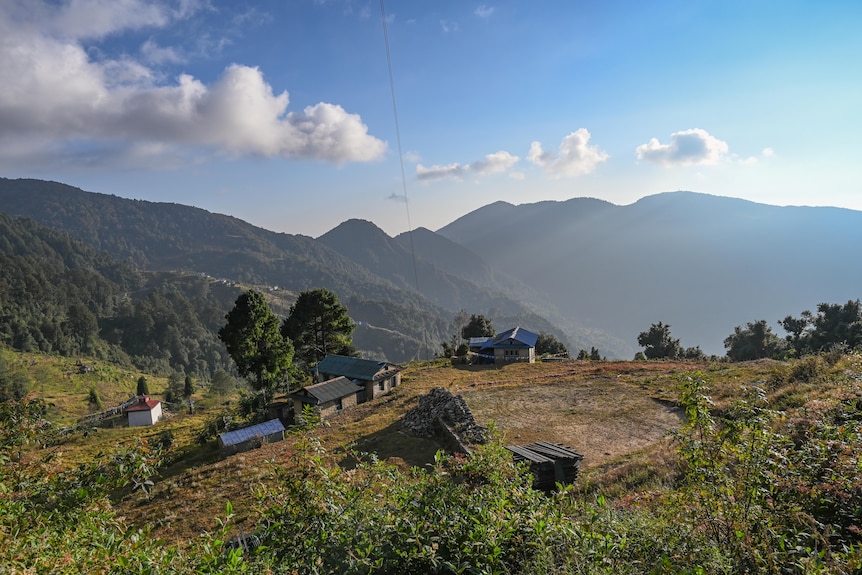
[
  {"x": 188, "y": 387},
  {"x": 143, "y": 386},
  {"x": 318, "y": 325},
  {"x": 255, "y": 343}
]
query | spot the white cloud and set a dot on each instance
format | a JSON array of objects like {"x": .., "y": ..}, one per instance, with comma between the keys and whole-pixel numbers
[
  {"x": 694, "y": 147},
  {"x": 767, "y": 152},
  {"x": 491, "y": 164},
  {"x": 56, "y": 100},
  {"x": 155, "y": 54},
  {"x": 484, "y": 11},
  {"x": 576, "y": 157}
]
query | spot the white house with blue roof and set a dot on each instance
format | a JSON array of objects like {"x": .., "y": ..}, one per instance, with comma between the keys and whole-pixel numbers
[{"x": 516, "y": 344}]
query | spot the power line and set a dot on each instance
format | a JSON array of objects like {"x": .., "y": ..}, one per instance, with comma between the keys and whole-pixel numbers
[{"x": 401, "y": 159}]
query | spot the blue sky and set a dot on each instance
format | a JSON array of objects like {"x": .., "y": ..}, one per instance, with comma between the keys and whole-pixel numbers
[{"x": 280, "y": 112}]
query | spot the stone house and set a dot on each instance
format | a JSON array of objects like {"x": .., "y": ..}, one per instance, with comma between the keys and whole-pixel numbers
[
  {"x": 375, "y": 377},
  {"x": 329, "y": 397}
]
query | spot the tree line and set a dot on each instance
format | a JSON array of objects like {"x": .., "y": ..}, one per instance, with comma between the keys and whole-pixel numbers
[{"x": 834, "y": 327}]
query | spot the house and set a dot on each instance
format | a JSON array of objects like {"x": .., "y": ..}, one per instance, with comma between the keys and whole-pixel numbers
[
  {"x": 329, "y": 397},
  {"x": 516, "y": 344},
  {"x": 375, "y": 377},
  {"x": 144, "y": 411},
  {"x": 250, "y": 437}
]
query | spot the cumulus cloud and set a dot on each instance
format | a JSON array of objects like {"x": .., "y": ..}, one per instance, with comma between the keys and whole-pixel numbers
[
  {"x": 56, "y": 98},
  {"x": 575, "y": 157},
  {"x": 491, "y": 164},
  {"x": 694, "y": 147}
]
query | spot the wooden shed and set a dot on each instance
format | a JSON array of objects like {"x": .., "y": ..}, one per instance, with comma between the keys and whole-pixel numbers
[
  {"x": 251, "y": 437},
  {"x": 550, "y": 463}
]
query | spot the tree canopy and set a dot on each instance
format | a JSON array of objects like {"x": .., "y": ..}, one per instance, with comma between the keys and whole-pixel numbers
[
  {"x": 318, "y": 325},
  {"x": 755, "y": 341},
  {"x": 477, "y": 326},
  {"x": 833, "y": 325},
  {"x": 548, "y": 344},
  {"x": 254, "y": 342},
  {"x": 658, "y": 343}
]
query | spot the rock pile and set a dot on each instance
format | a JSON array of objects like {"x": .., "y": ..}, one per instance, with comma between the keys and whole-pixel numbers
[{"x": 451, "y": 409}]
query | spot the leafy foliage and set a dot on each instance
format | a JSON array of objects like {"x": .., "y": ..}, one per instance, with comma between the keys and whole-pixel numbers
[
  {"x": 550, "y": 345},
  {"x": 477, "y": 326},
  {"x": 755, "y": 341},
  {"x": 833, "y": 325},
  {"x": 658, "y": 343}
]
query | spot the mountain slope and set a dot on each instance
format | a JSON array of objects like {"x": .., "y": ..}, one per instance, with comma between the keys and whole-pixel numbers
[
  {"x": 158, "y": 236},
  {"x": 368, "y": 246},
  {"x": 703, "y": 264}
]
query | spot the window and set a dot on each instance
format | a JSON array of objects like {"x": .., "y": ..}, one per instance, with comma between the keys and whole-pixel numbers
[
  {"x": 381, "y": 385},
  {"x": 338, "y": 405}
]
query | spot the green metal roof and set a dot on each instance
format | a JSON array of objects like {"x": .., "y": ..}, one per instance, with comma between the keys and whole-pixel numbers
[{"x": 355, "y": 367}]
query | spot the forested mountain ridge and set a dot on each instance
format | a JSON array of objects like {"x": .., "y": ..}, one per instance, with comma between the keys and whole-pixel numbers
[
  {"x": 58, "y": 295},
  {"x": 702, "y": 263},
  {"x": 160, "y": 236},
  {"x": 396, "y": 321}
]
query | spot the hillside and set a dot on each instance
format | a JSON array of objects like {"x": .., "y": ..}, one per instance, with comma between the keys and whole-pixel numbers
[
  {"x": 703, "y": 264},
  {"x": 642, "y": 495}
]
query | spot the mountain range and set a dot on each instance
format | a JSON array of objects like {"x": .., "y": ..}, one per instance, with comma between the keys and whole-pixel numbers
[{"x": 587, "y": 271}]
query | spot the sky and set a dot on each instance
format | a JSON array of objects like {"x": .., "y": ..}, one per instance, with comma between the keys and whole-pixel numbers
[{"x": 281, "y": 112}]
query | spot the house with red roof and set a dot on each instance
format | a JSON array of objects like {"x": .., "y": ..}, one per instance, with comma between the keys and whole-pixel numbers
[{"x": 145, "y": 411}]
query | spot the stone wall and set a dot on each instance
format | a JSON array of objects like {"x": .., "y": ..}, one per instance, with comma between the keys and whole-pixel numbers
[{"x": 451, "y": 410}]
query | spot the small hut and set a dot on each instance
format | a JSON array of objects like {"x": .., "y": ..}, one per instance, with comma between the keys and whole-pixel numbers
[
  {"x": 251, "y": 437},
  {"x": 550, "y": 463},
  {"x": 144, "y": 411}
]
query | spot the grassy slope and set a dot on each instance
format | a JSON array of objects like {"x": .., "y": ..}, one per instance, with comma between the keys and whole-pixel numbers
[{"x": 616, "y": 413}]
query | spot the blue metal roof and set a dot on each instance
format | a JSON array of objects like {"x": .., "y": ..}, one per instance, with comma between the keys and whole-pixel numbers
[
  {"x": 515, "y": 337},
  {"x": 478, "y": 341},
  {"x": 246, "y": 433},
  {"x": 354, "y": 367}
]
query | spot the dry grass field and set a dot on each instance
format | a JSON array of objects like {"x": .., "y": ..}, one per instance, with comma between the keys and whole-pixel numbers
[{"x": 616, "y": 413}]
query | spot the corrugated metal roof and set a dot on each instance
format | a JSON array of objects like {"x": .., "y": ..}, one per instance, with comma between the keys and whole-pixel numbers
[
  {"x": 329, "y": 390},
  {"x": 542, "y": 451},
  {"x": 246, "y": 433},
  {"x": 478, "y": 341},
  {"x": 520, "y": 338},
  {"x": 354, "y": 367}
]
